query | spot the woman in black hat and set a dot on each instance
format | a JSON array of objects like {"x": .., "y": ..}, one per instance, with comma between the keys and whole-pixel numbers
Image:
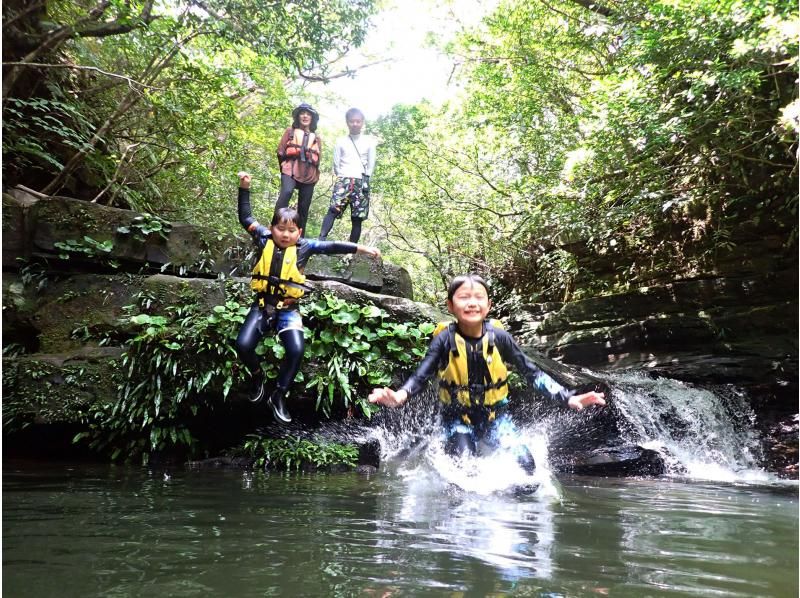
[{"x": 299, "y": 153}]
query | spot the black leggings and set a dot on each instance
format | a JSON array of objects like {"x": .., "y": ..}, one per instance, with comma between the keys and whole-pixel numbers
[
  {"x": 256, "y": 325},
  {"x": 304, "y": 193},
  {"x": 330, "y": 218}
]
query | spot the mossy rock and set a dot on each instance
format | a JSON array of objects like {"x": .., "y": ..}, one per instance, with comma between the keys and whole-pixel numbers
[
  {"x": 359, "y": 271},
  {"x": 59, "y": 388}
]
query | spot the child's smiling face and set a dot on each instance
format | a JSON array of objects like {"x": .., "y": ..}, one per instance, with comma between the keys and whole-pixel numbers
[{"x": 470, "y": 304}]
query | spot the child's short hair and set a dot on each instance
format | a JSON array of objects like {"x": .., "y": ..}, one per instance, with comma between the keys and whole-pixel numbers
[
  {"x": 353, "y": 112},
  {"x": 286, "y": 215},
  {"x": 458, "y": 281}
]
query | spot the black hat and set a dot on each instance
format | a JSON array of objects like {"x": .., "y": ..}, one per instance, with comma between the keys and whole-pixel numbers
[{"x": 309, "y": 109}]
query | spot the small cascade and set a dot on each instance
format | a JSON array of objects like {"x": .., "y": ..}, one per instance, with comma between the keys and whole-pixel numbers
[{"x": 701, "y": 434}]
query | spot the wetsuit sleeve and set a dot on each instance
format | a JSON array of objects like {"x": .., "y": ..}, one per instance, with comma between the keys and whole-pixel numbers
[
  {"x": 245, "y": 211},
  {"x": 538, "y": 379},
  {"x": 250, "y": 224},
  {"x": 308, "y": 247},
  {"x": 331, "y": 247},
  {"x": 427, "y": 367}
]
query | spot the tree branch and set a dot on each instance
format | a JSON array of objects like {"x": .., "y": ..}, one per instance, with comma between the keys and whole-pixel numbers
[
  {"x": 592, "y": 6},
  {"x": 79, "y": 67}
]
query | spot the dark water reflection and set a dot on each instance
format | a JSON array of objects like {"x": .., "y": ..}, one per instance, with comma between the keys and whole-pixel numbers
[{"x": 111, "y": 531}]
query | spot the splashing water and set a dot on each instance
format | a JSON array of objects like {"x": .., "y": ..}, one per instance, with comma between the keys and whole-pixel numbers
[
  {"x": 412, "y": 443},
  {"x": 701, "y": 434}
]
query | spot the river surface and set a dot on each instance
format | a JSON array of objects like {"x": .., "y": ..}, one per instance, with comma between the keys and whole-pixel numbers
[{"x": 86, "y": 530}]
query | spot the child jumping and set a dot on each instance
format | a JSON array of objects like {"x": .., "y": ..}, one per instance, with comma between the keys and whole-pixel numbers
[
  {"x": 279, "y": 284},
  {"x": 470, "y": 356}
]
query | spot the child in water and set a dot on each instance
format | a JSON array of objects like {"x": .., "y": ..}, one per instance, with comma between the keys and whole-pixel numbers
[
  {"x": 279, "y": 284},
  {"x": 470, "y": 356}
]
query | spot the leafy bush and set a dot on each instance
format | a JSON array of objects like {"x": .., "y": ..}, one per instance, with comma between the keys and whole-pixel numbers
[
  {"x": 86, "y": 246},
  {"x": 297, "y": 452},
  {"x": 358, "y": 349},
  {"x": 178, "y": 362},
  {"x": 172, "y": 365}
]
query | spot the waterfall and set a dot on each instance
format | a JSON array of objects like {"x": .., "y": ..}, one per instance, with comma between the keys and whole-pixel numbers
[{"x": 701, "y": 433}]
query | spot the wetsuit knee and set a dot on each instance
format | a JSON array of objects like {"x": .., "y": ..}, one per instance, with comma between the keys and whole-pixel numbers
[
  {"x": 247, "y": 340},
  {"x": 293, "y": 343},
  {"x": 459, "y": 444},
  {"x": 526, "y": 461}
]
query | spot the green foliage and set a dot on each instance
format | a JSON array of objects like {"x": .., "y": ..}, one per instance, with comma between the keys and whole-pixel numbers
[
  {"x": 180, "y": 360},
  {"x": 598, "y": 146},
  {"x": 144, "y": 225},
  {"x": 356, "y": 348},
  {"x": 39, "y": 391},
  {"x": 35, "y": 129},
  {"x": 173, "y": 366},
  {"x": 33, "y": 273},
  {"x": 298, "y": 453},
  {"x": 445, "y": 208},
  {"x": 86, "y": 246},
  {"x": 154, "y": 106}
]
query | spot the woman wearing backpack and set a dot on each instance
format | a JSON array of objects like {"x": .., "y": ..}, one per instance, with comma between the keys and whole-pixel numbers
[{"x": 299, "y": 152}]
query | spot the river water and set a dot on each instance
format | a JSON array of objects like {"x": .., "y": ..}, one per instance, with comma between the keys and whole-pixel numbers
[
  {"x": 405, "y": 531},
  {"x": 425, "y": 525}
]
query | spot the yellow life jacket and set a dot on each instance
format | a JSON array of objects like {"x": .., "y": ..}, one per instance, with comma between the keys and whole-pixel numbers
[
  {"x": 286, "y": 284},
  {"x": 454, "y": 377}
]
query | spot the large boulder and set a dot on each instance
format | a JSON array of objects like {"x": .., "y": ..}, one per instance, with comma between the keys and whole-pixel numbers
[
  {"x": 625, "y": 460},
  {"x": 705, "y": 330},
  {"x": 84, "y": 232},
  {"x": 84, "y": 235},
  {"x": 361, "y": 272}
]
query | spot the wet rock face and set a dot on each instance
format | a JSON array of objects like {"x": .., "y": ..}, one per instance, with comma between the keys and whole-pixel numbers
[
  {"x": 723, "y": 330},
  {"x": 361, "y": 272},
  {"x": 781, "y": 440},
  {"x": 83, "y": 233},
  {"x": 620, "y": 461},
  {"x": 736, "y": 326}
]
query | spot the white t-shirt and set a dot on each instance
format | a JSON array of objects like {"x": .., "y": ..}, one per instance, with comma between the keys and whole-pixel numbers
[{"x": 354, "y": 156}]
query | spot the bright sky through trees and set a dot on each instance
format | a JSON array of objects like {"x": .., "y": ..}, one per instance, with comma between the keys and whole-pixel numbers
[{"x": 403, "y": 38}]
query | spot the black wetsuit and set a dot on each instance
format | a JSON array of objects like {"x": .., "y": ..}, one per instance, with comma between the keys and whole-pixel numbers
[
  {"x": 463, "y": 437},
  {"x": 287, "y": 321}
]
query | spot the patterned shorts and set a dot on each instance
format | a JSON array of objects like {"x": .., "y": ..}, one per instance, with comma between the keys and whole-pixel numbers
[{"x": 349, "y": 191}]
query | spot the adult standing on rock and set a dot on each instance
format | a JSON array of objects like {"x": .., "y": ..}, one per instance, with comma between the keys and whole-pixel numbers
[
  {"x": 299, "y": 152},
  {"x": 353, "y": 164}
]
